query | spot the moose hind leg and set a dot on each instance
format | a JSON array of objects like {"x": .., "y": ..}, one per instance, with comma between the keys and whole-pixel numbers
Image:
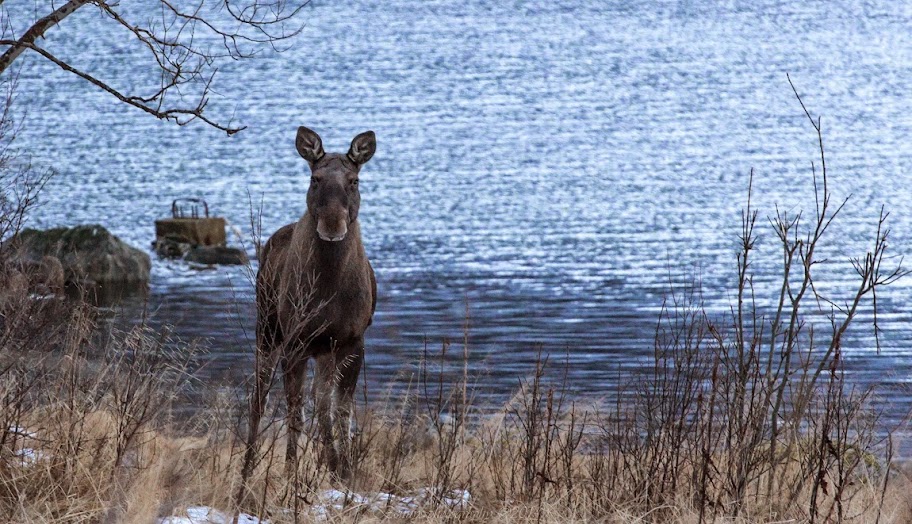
[{"x": 262, "y": 380}]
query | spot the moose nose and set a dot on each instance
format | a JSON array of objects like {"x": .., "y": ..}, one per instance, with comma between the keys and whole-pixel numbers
[
  {"x": 332, "y": 223},
  {"x": 332, "y": 239}
]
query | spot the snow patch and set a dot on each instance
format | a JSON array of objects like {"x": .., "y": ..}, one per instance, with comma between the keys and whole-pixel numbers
[
  {"x": 207, "y": 515},
  {"x": 28, "y": 456},
  {"x": 334, "y": 500},
  {"x": 22, "y": 432}
]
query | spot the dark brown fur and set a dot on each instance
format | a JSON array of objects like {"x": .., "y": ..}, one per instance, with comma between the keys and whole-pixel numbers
[{"x": 316, "y": 295}]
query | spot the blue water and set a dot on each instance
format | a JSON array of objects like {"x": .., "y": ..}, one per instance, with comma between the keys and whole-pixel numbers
[{"x": 551, "y": 166}]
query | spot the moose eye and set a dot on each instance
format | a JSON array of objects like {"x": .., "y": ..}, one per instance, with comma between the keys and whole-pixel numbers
[
  {"x": 354, "y": 182},
  {"x": 314, "y": 180}
]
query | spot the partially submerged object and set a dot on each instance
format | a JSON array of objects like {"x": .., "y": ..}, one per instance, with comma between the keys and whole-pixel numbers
[{"x": 194, "y": 238}]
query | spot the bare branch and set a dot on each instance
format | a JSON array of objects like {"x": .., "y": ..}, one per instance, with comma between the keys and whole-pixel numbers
[
  {"x": 37, "y": 30},
  {"x": 179, "y": 43},
  {"x": 180, "y": 116}
]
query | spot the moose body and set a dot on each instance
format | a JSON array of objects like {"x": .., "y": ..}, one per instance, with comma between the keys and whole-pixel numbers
[{"x": 316, "y": 294}]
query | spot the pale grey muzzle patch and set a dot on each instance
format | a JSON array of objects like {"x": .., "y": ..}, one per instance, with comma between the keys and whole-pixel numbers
[{"x": 332, "y": 234}]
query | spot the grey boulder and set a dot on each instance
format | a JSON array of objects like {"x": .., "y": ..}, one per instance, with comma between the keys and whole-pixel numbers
[{"x": 89, "y": 255}]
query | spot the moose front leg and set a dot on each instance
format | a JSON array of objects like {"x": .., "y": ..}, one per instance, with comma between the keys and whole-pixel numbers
[
  {"x": 348, "y": 368},
  {"x": 335, "y": 381},
  {"x": 324, "y": 387},
  {"x": 294, "y": 372}
]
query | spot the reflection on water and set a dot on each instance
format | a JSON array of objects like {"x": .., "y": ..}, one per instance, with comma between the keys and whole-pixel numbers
[{"x": 554, "y": 166}]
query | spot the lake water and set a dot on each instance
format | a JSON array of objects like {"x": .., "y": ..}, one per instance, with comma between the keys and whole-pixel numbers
[{"x": 553, "y": 167}]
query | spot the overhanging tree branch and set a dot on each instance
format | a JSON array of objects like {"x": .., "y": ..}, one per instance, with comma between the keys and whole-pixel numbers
[
  {"x": 179, "y": 116},
  {"x": 178, "y": 39},
  {"x": 37, "y": 30}
]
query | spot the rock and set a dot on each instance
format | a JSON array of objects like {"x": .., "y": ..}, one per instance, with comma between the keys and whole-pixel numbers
[
  {"x": 87, "y": 256},
  {"x": 48, "y": 277},
  {"x": 13, "y": 287},
  {"x": 44, "y": 278},
  {"x": 216, "y": 255}
]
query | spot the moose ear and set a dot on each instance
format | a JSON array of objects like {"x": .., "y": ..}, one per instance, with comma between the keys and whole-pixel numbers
[
  {"x": 309, "y": 145},
  {"x": 362, "y": 147}
]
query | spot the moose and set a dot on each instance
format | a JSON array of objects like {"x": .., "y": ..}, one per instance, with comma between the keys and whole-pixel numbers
[{"x": 315, "y": 296}]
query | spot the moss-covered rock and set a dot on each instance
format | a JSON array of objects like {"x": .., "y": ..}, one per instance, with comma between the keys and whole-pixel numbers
[{"x": 90, "y": 256}]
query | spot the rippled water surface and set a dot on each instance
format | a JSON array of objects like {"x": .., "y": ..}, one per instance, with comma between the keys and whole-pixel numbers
[{"x": 551, "y": 167}]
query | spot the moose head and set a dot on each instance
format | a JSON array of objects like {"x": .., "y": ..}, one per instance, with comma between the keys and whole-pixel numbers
[{"x": 333, "y": 198}]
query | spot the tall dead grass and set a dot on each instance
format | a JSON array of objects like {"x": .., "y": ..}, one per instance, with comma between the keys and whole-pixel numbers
[{"x": 89, "y": 437}]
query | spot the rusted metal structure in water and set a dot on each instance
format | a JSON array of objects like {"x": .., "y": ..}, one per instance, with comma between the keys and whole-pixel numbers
[{"x": 195, "y": 238}]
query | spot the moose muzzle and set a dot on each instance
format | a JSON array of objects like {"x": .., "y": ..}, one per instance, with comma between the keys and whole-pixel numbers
[{"x": 332, "y": 223}]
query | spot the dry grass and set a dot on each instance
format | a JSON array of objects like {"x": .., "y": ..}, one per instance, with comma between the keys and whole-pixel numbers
[{"x": 527, "y": 463}]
